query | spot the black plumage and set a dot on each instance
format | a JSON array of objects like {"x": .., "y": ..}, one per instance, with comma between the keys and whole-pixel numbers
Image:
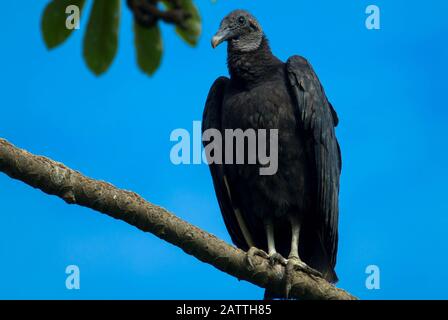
[{"x": 301, "y": 199}]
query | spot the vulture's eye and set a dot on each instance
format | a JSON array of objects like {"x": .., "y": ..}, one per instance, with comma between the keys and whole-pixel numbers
[{"x": 242, "y": 20}]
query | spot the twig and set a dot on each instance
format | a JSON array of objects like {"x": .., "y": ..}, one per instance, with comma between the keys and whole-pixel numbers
[{"x": 147, "y": 13}]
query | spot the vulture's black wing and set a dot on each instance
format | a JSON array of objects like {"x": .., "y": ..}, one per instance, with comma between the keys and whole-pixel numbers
[
  {"x": 211, "y": 119},
  {"x": 318, "y": 118}
]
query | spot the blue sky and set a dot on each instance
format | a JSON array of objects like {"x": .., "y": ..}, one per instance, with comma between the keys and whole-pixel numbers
[{"x": 387, "y": 86}]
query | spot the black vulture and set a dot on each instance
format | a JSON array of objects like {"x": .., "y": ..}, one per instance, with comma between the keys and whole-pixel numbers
[{"x": 294, "y": 212}]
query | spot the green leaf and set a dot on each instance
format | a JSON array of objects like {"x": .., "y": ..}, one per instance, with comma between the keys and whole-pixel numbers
[
  {"x": 53, "y": 24},
  {"x": 193, "y": 27},
  {"x": 149, "y": 48},
  {"x": 101, "y": 38},
  {"x": 191, "y": 32}
]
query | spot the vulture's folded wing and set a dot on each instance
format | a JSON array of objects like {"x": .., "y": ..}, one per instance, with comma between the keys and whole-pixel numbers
[
  {"x": 318, "y": 118},
  {"x": 232, "y": 216}
]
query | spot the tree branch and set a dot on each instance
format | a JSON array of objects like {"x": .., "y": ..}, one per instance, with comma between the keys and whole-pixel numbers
[
  {"x": 74, "y": 188},
  {"x": 147, "y": 12}
]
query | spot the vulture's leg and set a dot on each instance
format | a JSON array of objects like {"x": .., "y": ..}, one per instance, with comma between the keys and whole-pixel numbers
[
  {"x": 274, "y": 256},
  {"x": 294, "y": 261},
  {"x": 295, "y": 235}
]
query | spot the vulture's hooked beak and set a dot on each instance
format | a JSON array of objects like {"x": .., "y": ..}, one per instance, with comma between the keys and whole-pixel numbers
[{"x": 222, "y": 35}]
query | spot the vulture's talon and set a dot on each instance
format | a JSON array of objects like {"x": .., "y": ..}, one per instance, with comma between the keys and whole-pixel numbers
[
  {"x": 295, "y": 264},
  {"x": 277, "y": 258},
  {"x": 253, "y": 251}
]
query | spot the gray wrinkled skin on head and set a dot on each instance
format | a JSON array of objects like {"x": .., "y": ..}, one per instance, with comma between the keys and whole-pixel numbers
[
  {"x": 248, "y": 36},
  {"x": 248, "y": 42}
]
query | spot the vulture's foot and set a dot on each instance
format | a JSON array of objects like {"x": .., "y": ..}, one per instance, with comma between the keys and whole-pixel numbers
[
  {"x": 274, "y": 259},
  {"x": 252, "y": 253},
  {"x": 277, "y": 258},
  {"x": 295, "y": 264}
]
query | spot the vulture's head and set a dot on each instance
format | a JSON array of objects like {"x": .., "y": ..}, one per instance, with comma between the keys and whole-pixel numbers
[{"x": 241, "y": 29}]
